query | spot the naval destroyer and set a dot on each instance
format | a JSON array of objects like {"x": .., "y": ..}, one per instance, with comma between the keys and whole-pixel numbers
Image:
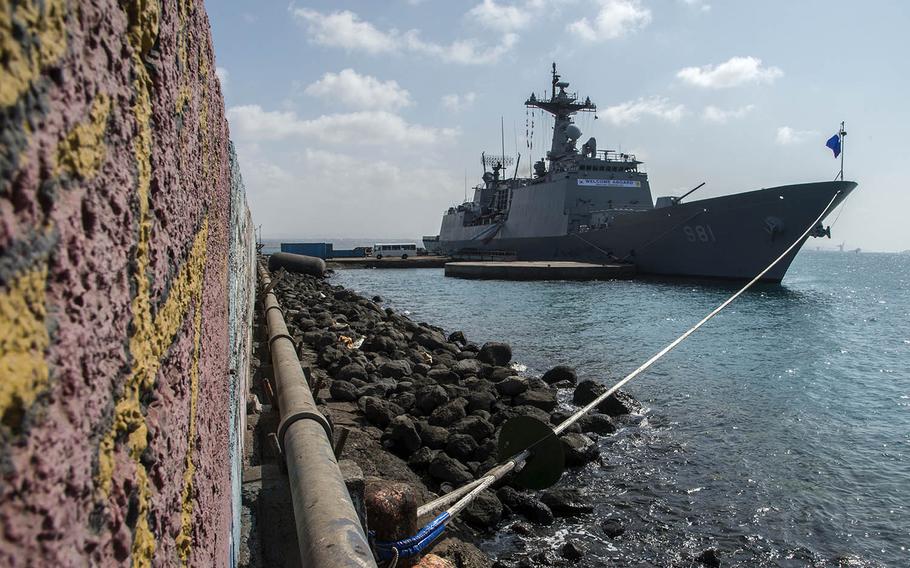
[{"x": 595, "y": 205}]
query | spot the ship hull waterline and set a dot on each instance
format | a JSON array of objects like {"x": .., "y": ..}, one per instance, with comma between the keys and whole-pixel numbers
[{"x": 729, "y": 237}]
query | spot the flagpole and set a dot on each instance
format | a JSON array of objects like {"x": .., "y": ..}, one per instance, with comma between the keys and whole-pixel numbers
[{"x": 843, "y": 139}]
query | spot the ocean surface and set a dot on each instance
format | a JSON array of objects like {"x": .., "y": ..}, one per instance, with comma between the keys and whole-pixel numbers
[{"x": 778, "y": 434}]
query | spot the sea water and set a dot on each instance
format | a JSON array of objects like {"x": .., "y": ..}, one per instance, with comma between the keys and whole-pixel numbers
[{"x": 778, "y": 434}]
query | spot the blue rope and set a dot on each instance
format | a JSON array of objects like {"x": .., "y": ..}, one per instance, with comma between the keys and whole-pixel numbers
[{"x": 413, "y": 545}]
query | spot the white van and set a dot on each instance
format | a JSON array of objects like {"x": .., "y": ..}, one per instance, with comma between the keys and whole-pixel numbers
[{"x": 394, "y": 249}]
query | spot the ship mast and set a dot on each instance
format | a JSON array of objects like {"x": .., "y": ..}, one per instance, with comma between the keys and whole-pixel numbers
[{"x": 562, "y": 105}]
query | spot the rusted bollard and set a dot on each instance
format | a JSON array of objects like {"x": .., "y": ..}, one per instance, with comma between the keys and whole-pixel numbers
[{"x": 392, "y": 513}]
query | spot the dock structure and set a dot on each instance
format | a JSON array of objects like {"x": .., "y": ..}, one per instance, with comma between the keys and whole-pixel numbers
[
  {"x": 395, "y": 262},
  {"x": 538, "y": 270}
]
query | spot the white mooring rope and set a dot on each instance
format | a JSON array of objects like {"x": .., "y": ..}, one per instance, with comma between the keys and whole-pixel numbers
[{"x": 466, "y": 494}]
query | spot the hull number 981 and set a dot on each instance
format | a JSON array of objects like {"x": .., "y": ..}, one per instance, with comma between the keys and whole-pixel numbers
[{"x": 699, "y": 234}]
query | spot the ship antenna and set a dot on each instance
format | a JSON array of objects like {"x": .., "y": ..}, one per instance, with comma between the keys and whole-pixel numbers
[
  {"x": 843, "y": 139},
  {"x": 502, "y": 139}
]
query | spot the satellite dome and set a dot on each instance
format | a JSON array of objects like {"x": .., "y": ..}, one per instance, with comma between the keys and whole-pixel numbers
[{"x": 573, "y": 132}]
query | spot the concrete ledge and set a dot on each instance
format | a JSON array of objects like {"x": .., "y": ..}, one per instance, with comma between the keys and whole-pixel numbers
[
  {"x": 385, "y": 262},
  {"x": 539, "y": 270}
]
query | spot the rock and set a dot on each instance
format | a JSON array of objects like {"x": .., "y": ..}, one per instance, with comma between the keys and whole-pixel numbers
[
  {"x": 405, "y": 400},
  {"x": 532, "y": 411},
  {"x": 343, "y": 391},
  {"x": 476, "y": 427},
  {"x": 404, "y": 434},
  {"x": 485, "y": 511},
  {"x": 709, "y": 557},
  {"x": 560, "y": 373},
  {"x": 443, "y": 376},
  {"x": 435, "y": 437},
  {"x": 379, "y": 344},
  {"x": 433, "y": 561},
  {"x": 480, "y": 400},
  {"x": 446, "y": 468},
  {"x": 566, "y": 502},
  {"x": 560, "y": 416},
  {"x": 376, "y": 411},
  {"x": 512, "y": 386},
  {"x": 617, "y": 404},
  {"x": 379, "y": 389},
  {"x": 468, "y": 368},
  {"x": 457, "y": 337},
  {"x": 524, "y": 529},
  {"x": 395, "y": 369},
  {"x": 497, "y": 374},
  {"x": 613, "y": 528},
  {"x": 430, "y": 398},
  {"x": 596, "y": 423},
  {"x": 352, "y": 371},
  {"x": 420, "y": 460},
  {"x": 579, "y": 449},
  {"x": 495, "y": 353},
  {"x": 573, "y": 550},
  {"x": 448, "y": 413},
  {"x": 461, "y": 446},
  {"x": 542, "y": 399},
  {"x": 433, "y": 340},
  {"x": 525, "y": 505}
]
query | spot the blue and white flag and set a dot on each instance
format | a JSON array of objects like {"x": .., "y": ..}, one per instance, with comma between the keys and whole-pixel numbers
[{"x": 834, "y": 144}]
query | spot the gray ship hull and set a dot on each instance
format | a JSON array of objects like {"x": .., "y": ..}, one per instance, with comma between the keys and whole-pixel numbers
[{"x": 734, "y": 236}]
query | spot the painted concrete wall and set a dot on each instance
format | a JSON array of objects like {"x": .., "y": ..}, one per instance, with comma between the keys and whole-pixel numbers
[{"x": 119, "y": 392}]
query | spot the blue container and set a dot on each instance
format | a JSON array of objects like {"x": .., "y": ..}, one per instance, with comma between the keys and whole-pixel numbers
[
  {"x": 319, "y": 250},
  {"x": 359, "y": 252}
]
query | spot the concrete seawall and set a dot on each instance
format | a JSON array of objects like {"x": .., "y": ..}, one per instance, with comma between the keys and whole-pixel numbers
[{"x": 126, "y": 254}]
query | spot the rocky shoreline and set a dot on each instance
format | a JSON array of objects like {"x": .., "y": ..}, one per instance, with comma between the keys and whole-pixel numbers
[{"x": 424, "y": 407}]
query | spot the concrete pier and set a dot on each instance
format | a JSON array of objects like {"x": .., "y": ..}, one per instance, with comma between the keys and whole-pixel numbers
[
  {"x": 387, "y": 262},
  {"x": 539, "y": 270}
]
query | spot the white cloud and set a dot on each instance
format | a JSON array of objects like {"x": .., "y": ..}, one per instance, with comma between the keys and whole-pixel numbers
[
  {"x": 501, "y": 17},
  {"x": 700, "y": 5},
  {"x": 732, "y": 73},
  {"x": 633, "y": 111},
  {"x": 456, "y": 102},
  {"x": 787, "y": 136},
  {"x": 615, "y": 19},
  {"x": 359, "y": 91},
  {"x": 346, "y": 30},
  {"x": 465, "y": 52},
  {"x": 250, "y": 123},
  {"x": 223, "y": 76},
  {"x": 719, "y": 115}
]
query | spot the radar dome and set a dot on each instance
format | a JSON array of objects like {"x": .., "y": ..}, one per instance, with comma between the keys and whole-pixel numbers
[{"x": 573, "y": 132}]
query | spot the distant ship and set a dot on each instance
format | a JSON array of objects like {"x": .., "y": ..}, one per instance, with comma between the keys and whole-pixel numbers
[{"x": 595, "y": 205}]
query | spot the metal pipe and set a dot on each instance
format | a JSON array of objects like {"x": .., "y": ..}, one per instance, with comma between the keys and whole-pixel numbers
[{"x": 329, "y": 532}]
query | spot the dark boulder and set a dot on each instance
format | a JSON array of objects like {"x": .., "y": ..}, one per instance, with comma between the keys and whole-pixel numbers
[
  {"x": 566, "y": 502},
  {"x": 512, "y": 386},
  {"x": 532, "y": 411},
  {"x": 457, "y": 337},
  {"x": 709, "y": 558},
  {"x": 449, "y": 412},
  {"x": 616, "y": 404},
  {"x": 559, "y": 374},
  {"x": 403, "y": 433},
  {"x": 446, "y": 468},
  {"x": 395, "y": 369},
  {"x": 352, "y": 371},
  {"x": 474, "y": 426},
  {"x": 443, "y": 376},
  {"x": 379, "y": 344},
  {"x": 461, "y": 446},
  {"x": 573, "y": 550},
  {"x": 430, "y": 398},
  {"x": 343, "y": 391},
  {"x": 484, "y": 512},
  {"x": 420, "y": 460},
  {"x": 495, "y": 353},
  {"x": 579, "y": 449},
  {"x": 497, "y": 374},
  {"x": 376, "y": 411},
  {"x": 468, "y": 368},
  {"x": 596, "y": 423},
  {"x": 435, "y": 437},
  {"x": 525, "y": 505},
  {"x": 542, "y": 399},
  {"x": 405, "y": 400},
  {"x": 480, "y": 400},
  {"x": 613, "y": 528}
]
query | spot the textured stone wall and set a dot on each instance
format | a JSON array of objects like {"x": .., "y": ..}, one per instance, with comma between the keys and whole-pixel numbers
[{"x": 119, "y": 408}]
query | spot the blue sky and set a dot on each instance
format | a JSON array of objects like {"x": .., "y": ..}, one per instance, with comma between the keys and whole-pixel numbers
[{"x": 360, "y": 119}]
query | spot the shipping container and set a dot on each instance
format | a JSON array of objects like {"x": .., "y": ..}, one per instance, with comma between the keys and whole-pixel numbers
[
  {"x": 320, "y": 250},
  {"x": 357, "y": 252}
]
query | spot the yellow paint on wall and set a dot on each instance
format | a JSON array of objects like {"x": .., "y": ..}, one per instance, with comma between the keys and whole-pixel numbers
[
  {"x": 23, "y": 342},
  {"x": 82, "y": 150},
  {"x": 44, "y": 42}
]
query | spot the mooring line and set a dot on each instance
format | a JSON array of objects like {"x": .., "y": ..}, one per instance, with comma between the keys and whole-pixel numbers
[{"x": 463, "y": 496}]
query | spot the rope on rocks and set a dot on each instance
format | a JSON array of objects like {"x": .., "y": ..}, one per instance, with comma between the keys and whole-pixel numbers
[{"x": 463, "y": 496}]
